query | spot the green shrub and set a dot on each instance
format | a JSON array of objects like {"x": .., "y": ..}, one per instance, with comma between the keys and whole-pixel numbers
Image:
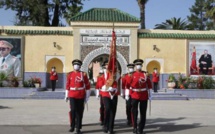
[
  {"x": 3, "y": 77},
  {"x": 208, "y": 83}
]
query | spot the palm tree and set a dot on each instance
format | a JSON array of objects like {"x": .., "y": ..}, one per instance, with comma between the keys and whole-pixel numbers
[
  {"x": 173, "y": 23},
  {"x": 141, "y": 4}
]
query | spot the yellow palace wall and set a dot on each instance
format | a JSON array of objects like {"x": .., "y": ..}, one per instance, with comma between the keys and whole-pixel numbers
[
  {"x": 36, "y": 47},
  {"x": 39, "y": 46},
  {"x": 173, "y": 51}
]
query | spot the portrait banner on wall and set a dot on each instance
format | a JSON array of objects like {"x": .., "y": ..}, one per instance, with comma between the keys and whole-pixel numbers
[
  {"x": 11, "y": 56},
  {"x": 202, "y": 58}
]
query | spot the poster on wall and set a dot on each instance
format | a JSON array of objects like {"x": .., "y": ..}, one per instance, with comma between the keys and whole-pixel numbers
[
  {"x": 202, "y": 58},
  {"x": 11, "y": 56}
]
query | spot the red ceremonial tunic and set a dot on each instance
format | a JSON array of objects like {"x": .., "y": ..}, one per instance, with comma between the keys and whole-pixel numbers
[
  {"x": 99, "y": 83},
  {"x": 53, "y": 75},
  {"x": 123, "y": 81},
  {"x": 139, "y": 81},
  {"x": 155, "y": 77},
  {"x": 77, "y": 83},
  {"x": 103, "y": 82},
  {"x": 127, "y": 78}
]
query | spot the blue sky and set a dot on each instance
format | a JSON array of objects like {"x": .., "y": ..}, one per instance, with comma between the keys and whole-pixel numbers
[{"x": 157, "y": 11}]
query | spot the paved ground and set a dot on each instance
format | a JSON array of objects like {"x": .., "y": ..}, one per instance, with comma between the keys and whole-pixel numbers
[{"x": 50, "y": 117}]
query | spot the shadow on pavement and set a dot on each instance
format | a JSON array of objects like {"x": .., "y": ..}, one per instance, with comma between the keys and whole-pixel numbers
[
  {"x": 157, "y": 125},
  {"x": 5, "y": 107},
  {"x": 153, "y": 126}
]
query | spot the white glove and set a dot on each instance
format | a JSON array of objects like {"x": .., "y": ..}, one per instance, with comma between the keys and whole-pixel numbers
[
  {"x": 122, "y": 91},
  {"x": 66, "y": 95},
  {"x": 111, "y": 89},
  {"x": 88, "y": 92},
  {"x": 97, "y": 94},
  {"x": 127, "y": 93},
  {"x": 127, "y": 97},
  {"x": 122, "y": 95},
  {"x": 104, "y": 87}
]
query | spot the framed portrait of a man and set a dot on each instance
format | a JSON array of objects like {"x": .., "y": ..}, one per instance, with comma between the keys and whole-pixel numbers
[
  {"x": 202, "y": 58},
  {"x": 11, "y": 56}
]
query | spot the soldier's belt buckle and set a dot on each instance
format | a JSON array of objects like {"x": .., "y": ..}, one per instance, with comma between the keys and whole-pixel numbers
[
  {"x": 139, "y": 90},
  {"x": 76, "y": 88}
]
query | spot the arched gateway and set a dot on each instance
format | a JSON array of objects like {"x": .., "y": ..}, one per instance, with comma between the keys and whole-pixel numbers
[{"x": 100, "y": 51}]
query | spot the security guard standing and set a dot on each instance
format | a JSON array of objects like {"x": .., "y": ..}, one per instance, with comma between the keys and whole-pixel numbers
[
  {"x": 125, "y": 91},
  {"x": 155, "y": 80},
  {"x": 139, "y": 96},
  {"x": 9, "y": 64},
  {"x": 78, "y": 92},
  {"x": 110, "y": 99},
  {"x": 99, "y": 96},
  {"x": 53, "y": 78}
]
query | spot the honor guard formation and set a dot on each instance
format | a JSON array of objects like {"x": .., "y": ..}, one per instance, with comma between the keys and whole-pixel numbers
[{"x": 135, "y": 87}]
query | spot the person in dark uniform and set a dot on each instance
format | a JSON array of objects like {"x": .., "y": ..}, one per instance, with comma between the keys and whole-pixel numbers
[
  {"x": 53, "y": 78},
  {"x": 125, "y": 79},
  {"x": 155, "y": 80},
  {"x": 139, "y": 86},
  {"x": 110, "y": 99},
  {"x": 205, "y": 62},
  {"x": 78, "y": 92}
]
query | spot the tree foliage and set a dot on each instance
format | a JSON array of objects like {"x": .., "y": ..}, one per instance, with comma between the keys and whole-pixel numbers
[
  {"x": 198, "y": 19},
  {"x": 142, "y": 5},
  {"x": 174, "y": 24},
  {"x": 210, "y": 10},
  {"x": 42, "y": 12}
]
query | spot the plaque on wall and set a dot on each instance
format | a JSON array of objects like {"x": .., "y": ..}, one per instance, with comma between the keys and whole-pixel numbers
[{"x": 104, "y": 37}]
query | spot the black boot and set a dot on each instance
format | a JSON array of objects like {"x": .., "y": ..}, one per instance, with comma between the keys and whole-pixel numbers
[
  {"x": 78, "y": 131},
  {"x": 140, "y": 132},
  {"x": 105, "y": 130},
  {"x": 71, "y": 129},
  {"x": 111, "y": 132},
  {"x": 135, "y": 130}
]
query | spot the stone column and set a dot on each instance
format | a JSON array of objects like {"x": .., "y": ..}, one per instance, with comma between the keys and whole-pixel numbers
[
  {"x": 76, "y": 44},
  {"x": 133, "y": 45}
]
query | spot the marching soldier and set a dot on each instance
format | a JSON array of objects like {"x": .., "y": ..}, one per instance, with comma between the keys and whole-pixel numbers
[
  {"x": 78, "y": 92},
  {"x": 99, "y": 96},
  {"x": 110, "y": 99},
  {"x": 9, "y": 64},
  {"x": 125, "y": 92},
  {"x": 139, "y": 95}
]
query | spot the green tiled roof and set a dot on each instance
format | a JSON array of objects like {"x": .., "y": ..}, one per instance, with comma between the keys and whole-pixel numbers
[
  {"x": 105, "y": 15},
  {"x": 36, "y": 32},
  {"x": 176, "y": 35}
]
